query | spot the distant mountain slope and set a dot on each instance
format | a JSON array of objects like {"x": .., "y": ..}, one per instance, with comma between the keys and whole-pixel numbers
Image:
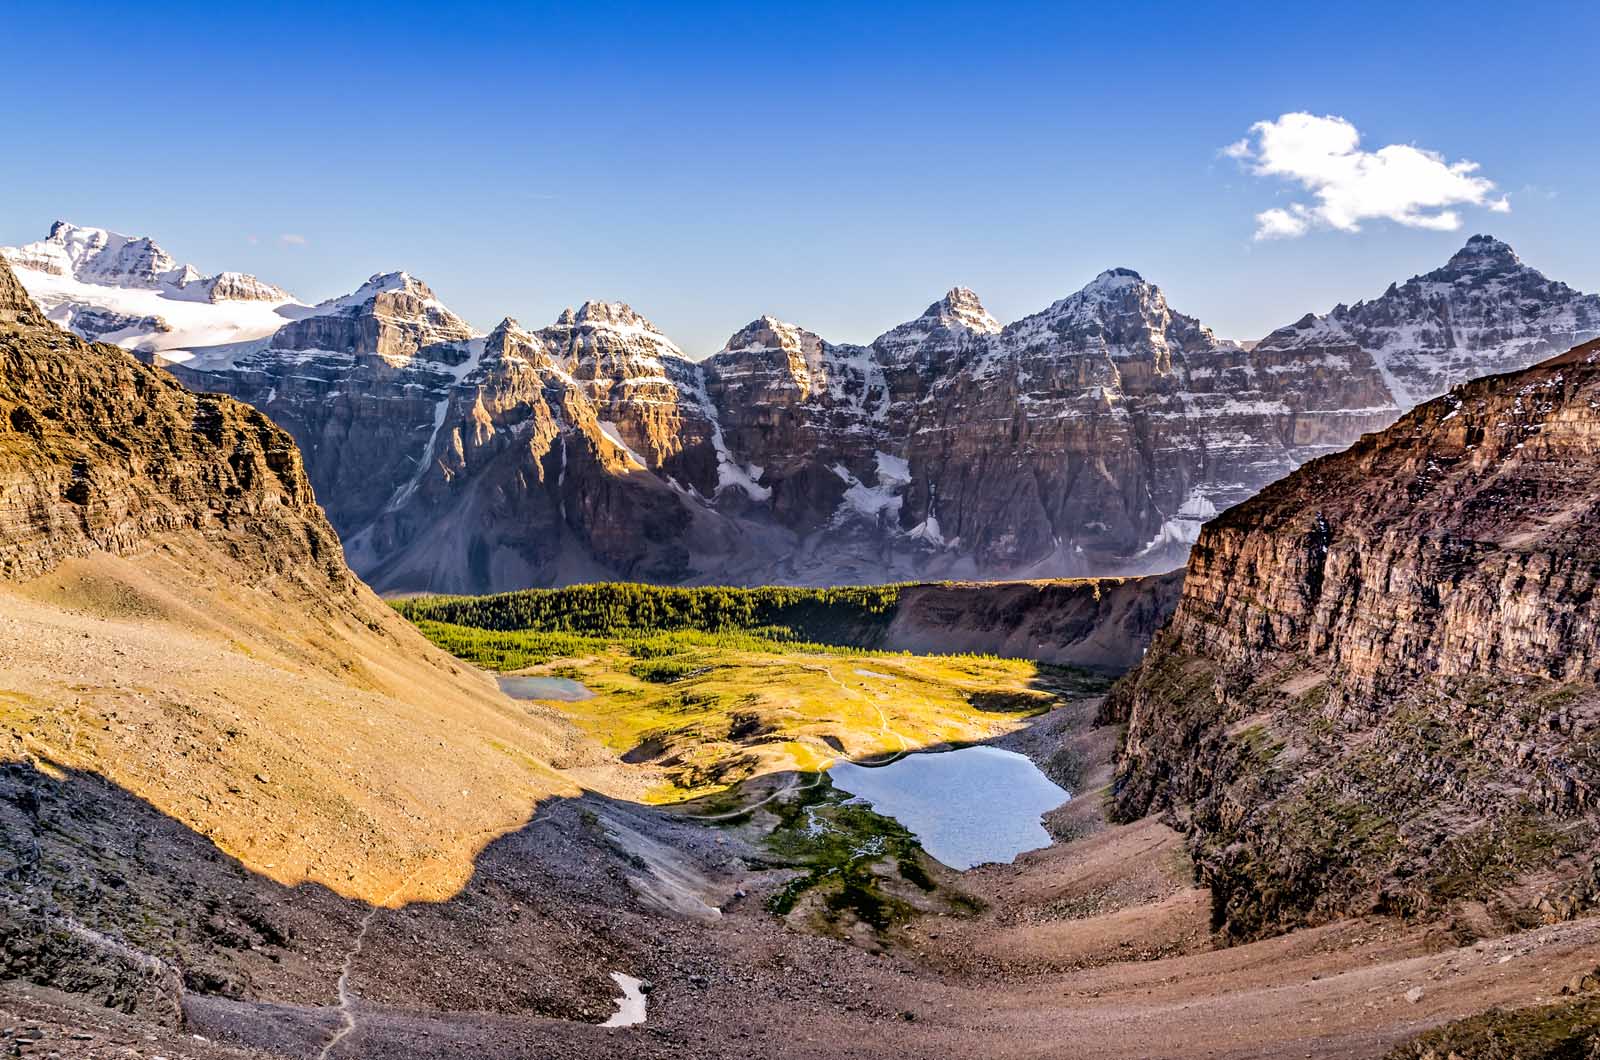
[
  {"x": 1483, "y": 313},
  {"x": 108, "y": 287},
  {"x": 1091, "y": 438},
  {"x": 1379, "y": 689},
  {"x": 176, "y": 616}
]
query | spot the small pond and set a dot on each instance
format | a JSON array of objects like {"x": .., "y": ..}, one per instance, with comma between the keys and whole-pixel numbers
[
  {"x": 967, "y": 807},
  {"x": 560, "y": 688}
]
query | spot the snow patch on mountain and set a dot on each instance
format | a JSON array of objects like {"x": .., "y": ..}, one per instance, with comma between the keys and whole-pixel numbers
[{"x": 127, "y": 291}]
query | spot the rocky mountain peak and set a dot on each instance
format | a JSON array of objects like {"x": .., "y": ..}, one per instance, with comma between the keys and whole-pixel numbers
[
  {"x": 509, "y": 341},
  {"x": 961, "y": 307},
  {"x": 770, "y": 333},
  {"x": 1482, "y": 313},
  {"x": 1119, "y": 301},
  {"x": 393, "y": 314},
  {"x": 946, "y": 327},
  {"x": 1485, "y": 253},
  {"x": 608, "y": 314},
  {"x": 509, "y": 330},
  {"x": 1115, "y": 279},
  {"x": 384, "y": 283}
]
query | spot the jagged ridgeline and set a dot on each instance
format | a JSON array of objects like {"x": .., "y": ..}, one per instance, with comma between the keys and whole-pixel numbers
[{"x": 1092, "y": 437}]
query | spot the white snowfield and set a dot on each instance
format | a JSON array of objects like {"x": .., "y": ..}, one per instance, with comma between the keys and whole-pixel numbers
[{"x": 89, "y": 280}]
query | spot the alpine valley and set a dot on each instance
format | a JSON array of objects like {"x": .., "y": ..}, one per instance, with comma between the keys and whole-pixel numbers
[{"x": 1091, "y": 438}]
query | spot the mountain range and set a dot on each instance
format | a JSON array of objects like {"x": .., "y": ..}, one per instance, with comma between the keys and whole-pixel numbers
[
  {"x": 1093, "y": 437},
  {"x": 247, "y": 810}
]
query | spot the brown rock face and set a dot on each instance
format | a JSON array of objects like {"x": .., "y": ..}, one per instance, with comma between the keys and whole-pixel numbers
[
  {"x": 1378, "y": 690},
  {"x": 98, "y": 452}
]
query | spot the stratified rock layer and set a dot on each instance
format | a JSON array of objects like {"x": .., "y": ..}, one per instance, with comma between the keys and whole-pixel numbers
[
  {"x": 1378, "y": 690},
  {"x": 99, "y": 452}
]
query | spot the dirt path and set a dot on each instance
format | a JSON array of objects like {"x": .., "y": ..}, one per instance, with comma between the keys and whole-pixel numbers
[{"x": 883, "y": 719}]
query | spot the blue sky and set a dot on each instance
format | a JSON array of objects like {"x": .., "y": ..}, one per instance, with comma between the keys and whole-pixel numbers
[{"x": 833, "y": 165}]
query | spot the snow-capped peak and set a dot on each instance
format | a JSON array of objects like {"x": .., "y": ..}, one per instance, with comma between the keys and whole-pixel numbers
[
  {"x": 770, "y": 333},
  {"x": 1113, "y": 287},
  {"x": 103, "y": 257},
  {"x": 1112, "y": 279},
  {"x": 126, "y": 290},
  {"x": 961, "y": 307},
  {"x": 383, "y": 282},
  {"x": 1481, "y": 313},
  {"x": 1484, "y": 248},
  {"x": 426, "y": 303}
]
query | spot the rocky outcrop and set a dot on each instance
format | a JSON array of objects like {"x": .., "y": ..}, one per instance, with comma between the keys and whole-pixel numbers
[
  {"x": 1378, "y": 691},
  {"x": 1092, "y": 438},
  {"x": 99, "y": 452}
]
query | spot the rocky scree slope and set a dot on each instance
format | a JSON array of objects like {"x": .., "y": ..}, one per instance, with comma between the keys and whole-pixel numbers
[
  {"x": 1378, "y": 692},
  {"x": 1091, "y": 438}
]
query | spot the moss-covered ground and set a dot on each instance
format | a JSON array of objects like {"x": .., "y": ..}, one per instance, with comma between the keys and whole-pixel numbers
[{"x": 706, "y": 710}]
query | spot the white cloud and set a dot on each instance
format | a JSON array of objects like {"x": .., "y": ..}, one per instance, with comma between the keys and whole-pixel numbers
[
  {"x": 289, "y": 239},
  {"x": 1401, "y": 183}
]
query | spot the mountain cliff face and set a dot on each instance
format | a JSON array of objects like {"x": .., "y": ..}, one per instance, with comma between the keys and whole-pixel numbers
[
  {"x": 1091, "y": 438},
  {"x": 1378, "y": 691},
  {"x": 98, "y": 452}
]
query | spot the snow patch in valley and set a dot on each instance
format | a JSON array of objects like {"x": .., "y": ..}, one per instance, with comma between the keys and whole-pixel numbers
[
  {"x": 878, "y": 502},
  {"x": 631, "y": 1005},
  {"x": 1182, "y": 529}
]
